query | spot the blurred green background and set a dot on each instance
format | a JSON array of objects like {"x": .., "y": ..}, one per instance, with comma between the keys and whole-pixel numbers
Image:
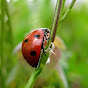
[{"x": 27, "y": 15}]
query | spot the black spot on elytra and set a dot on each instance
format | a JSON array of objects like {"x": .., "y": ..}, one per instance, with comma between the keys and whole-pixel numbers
[
  {"x": 33, "y": 53},
  {"x": 36, "y": 36},
  {"x": 26, "y": 40}
]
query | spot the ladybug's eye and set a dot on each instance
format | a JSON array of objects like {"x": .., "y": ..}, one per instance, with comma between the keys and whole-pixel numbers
[
  {"x": 33, "y": 53},
  {"x": 36, "y": 36},
  {"x": 26, "y": 40}
]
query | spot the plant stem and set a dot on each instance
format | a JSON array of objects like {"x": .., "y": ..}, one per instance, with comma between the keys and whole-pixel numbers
[
  {"x": 56, "y": 19},
  {"x": 33, "y": 77},
  {"x": 55, "y": 22},
  {"x": 9, "y": 24},
  {"x": 37, "y": 71},
  {"x": 68, "y": 10},
  {"x": 44, "y": 57},
  {"x": 2, "y": 40}
]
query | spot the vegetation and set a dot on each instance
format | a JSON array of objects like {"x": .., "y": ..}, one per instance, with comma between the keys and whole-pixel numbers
[{"x": 69, "y": 69}]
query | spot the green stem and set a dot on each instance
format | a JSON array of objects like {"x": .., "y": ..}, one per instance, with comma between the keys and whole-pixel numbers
[
  {"x": 56, "y": 19},
  {"x": 56, "y": 22},
  {"x": 33, "y": 77},
  {"x": 37, "y": 71},
  {"x": 68, "y": 10},
  {"x": 57, "y": 15},
  {"x": 44, "y": 57},
  {"x": 9, "y": 24},
  {"x": 2, "y": 40}
]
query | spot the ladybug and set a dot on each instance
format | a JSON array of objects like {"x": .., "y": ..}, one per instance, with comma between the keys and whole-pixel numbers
[{"x": 33, "y": 44}]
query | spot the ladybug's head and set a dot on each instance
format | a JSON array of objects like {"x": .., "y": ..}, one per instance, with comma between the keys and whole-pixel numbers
[{"x": 46, "y": 34}]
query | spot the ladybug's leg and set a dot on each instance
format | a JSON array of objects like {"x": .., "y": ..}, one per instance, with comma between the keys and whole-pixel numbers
[
  {"x": 50, "y": 48},
  {"x": 42, "y": 47},
  {"x": 44, "y": 50}
]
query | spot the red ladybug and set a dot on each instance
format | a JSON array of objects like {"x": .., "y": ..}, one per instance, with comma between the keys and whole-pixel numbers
[{"x": 32, "y": 45}]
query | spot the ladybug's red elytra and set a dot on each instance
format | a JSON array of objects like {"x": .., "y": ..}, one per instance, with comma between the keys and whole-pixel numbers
[{"x": 32, "y": 45}]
